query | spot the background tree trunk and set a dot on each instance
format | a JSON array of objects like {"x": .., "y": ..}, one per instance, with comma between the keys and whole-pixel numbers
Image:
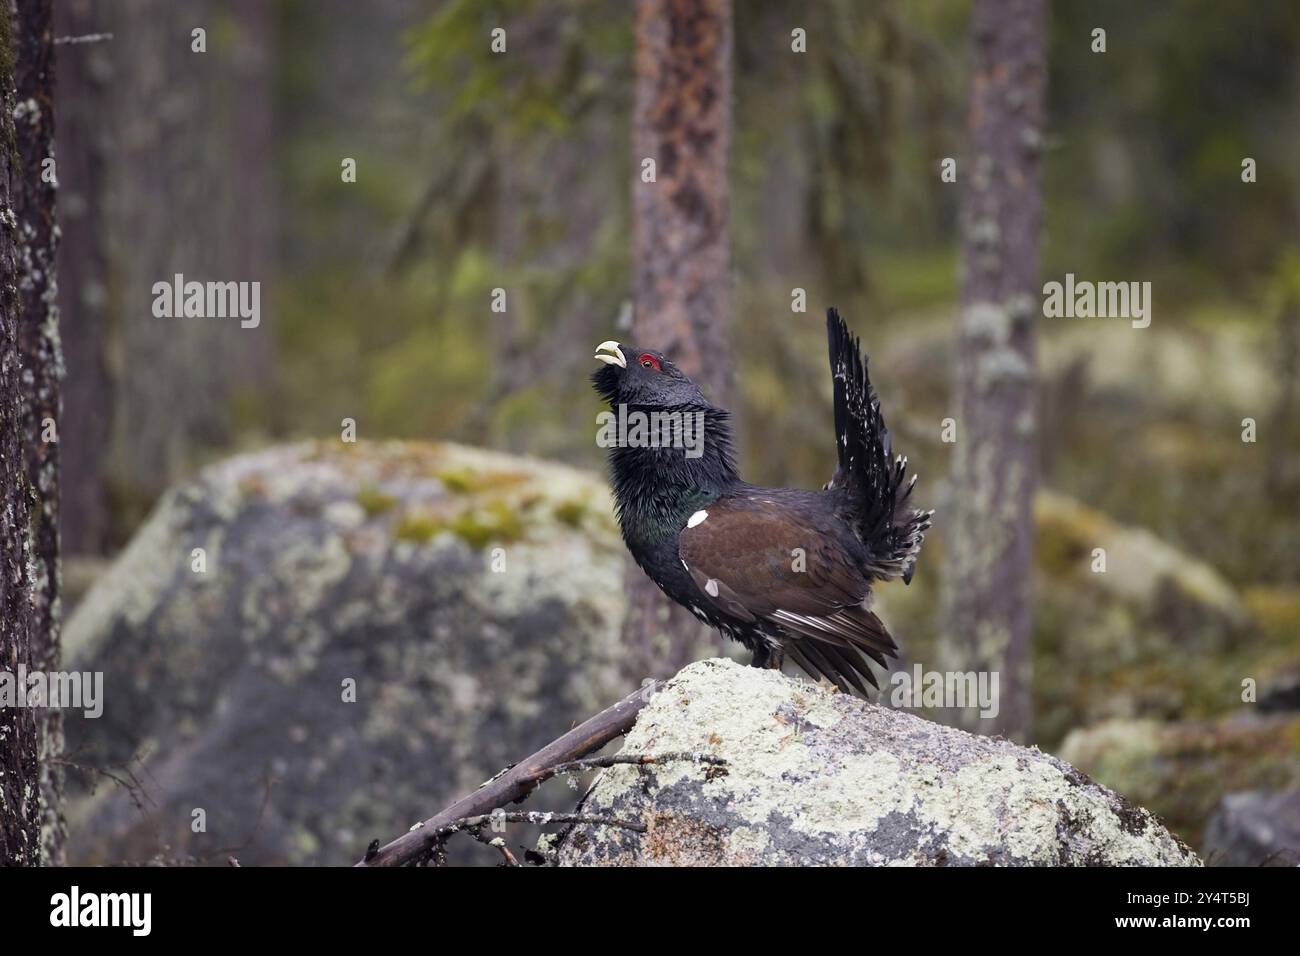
[
  {"x": 682, "y": 232},
  {"x": 188, "y": 191},
  {"x": 681, "y": 249},
  {"x": 33, "y": 189},
  {"x": 20, "y": 816},
  {"x": 250, "y": 104},
  {"x": 165, "y": 190},
  {"x": 990, "y": 520},
  {"x": 81, "y": 103}
]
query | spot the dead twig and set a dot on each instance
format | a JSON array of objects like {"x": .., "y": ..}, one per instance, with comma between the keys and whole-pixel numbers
[
  {"x": 635, "y": 760},
  {"x": 123, "y": 777},
  {"x": 516, "y": 783},
  {"x": 539, "y": 818},
  {"x": 268, "y": 784},
  {"x": 507, "y": 858},
  {"x": 474, "y": 827},
  {"x": 84, "y": 38}
]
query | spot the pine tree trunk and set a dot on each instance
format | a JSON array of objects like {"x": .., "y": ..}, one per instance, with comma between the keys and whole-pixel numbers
[
  {"x": 682, "y": 253},
  {"x": 166, "y": 196},
  {"x": 682, "y": 220},
  {"x": 81, "y": 103},
  {"x": 20, "y": 811},
  {"x": 990, "y": 530},
  {"x": 33, "y": 190}
]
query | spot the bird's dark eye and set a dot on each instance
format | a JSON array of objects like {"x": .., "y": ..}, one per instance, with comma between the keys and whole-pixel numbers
[{"x": 649, "y": 361}]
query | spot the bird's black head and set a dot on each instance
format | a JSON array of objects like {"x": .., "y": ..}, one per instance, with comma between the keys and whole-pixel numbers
[{"x": 643, "y": 377}]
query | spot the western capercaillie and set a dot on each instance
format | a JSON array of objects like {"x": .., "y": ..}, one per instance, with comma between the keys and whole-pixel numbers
[{"x": 783, "y": 571}]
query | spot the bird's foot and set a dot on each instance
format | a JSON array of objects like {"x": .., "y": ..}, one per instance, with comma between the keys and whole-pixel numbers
[{"x": 769, "y": 657}]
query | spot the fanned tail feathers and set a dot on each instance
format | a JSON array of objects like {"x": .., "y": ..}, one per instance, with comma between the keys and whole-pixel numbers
[{"x": 873, "y": 485}]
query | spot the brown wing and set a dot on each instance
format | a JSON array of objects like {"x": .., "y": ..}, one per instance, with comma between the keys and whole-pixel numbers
[{"x": 786, "y": 562}]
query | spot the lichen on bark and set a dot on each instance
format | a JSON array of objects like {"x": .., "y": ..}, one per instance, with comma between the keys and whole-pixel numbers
[
  {"x": 20, "y": 819},
  {"x": 989, "y": 530},
  {"x": 41, "y": 350}
]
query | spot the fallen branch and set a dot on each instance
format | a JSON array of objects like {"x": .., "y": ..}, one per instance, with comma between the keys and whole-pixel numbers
[
  {"x": 515, "y": 783},
  {"x": 474, "y": 825}
]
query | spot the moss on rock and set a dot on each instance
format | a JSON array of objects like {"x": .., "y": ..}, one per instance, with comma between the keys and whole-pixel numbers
[{"x": 328, "y": 564}]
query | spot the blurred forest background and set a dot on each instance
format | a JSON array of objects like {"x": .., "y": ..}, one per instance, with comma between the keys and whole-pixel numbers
[{"x": 477, "y": 171}]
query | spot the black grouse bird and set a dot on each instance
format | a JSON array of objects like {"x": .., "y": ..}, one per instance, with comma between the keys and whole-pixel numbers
[{"x": 781, "y": 570}]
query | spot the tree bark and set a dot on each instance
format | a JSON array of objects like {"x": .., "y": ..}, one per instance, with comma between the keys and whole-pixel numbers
[
  {"x": 20, "y": 812},
  {"x": 33, "y": 187},
  {"x": 81, "y": 103},
  {"x": 681, "y": 221},
  {"x": 681, "y": 240},
  {"x": 987, "y": 582}
]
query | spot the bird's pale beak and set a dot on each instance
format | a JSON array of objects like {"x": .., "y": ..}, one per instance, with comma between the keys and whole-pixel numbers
[{"x": 615, "y": 356}]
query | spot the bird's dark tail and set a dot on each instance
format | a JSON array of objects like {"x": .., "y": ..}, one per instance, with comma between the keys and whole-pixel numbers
[{"x": 873, "y": 488}]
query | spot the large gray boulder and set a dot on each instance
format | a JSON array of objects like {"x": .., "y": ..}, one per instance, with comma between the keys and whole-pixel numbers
[
  {"x": 815, "y": 777},
  {"x": 1255, "y": 828},
  {"x": 476, "y": 600}
]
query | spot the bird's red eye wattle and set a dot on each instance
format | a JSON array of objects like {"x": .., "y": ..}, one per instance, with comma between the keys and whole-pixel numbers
[{"x": 647, "y": 360}]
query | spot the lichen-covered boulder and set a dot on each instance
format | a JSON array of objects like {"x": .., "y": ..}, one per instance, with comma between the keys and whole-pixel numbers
[
  {"x": 469, "y": 602},
  {"x": 814, "y": 777}
]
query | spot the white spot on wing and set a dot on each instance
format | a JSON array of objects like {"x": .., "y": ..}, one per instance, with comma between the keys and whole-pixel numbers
[
  {"x": 711, "y": 586},
  {"x": 697, "y": 518}
]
